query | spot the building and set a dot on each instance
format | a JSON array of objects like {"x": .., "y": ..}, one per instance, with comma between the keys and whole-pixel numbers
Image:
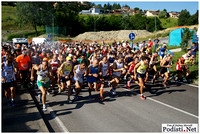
[
  {"x": 117, "y": 11},
  {"x": 174, "y": 14},
  {"x": 152, "y": 13},
  {"x": 92, "y": 11},
  {"x": 125, "y": 8}
]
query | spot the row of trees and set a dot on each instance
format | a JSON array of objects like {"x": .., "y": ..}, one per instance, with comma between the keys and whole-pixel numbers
[
  {"x": 65, "y": 14},
  {"x": 109, "y": 6},
  {"x": 186, "y": 19}
]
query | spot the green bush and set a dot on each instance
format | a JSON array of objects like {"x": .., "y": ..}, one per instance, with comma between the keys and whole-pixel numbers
[{"x": 26, "y": 35}]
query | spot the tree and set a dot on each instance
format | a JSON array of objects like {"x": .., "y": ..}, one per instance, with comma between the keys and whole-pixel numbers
[
  {"x": 167, "y": 13},
  {"x": 194, "y": 18},
  {"x": 30, "y": 12},
  {"x": 136, "y": 8},
  {"x": 118, "y": 6},
  {"x": 162, "y": 14},
  {"x": 184, "y": 18},
  {"x": 98, "y": 6},
  {"x": 126, "y": 5},
  {"x": 187, "y": 35}
]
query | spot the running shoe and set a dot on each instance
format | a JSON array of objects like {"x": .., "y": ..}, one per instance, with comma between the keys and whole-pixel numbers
[
  {"x": 184, "y": 80},
  {"x": 164, "y": 84},
  {"x": 69, "y": 100},
  {"x": 48, "y": 93},
  {"x": 90, "y": 97},
  {"x": 75, "y": 98},
  {"x": 9, "y": 103},
  {"x": 52, "y": 91},
  {"x": 59, "y": 90},
  {"x": 143, "y": 97},
  {"x": 109, "y": 83},
  {"x": 101, "y": 98},
  {"x": 128, "y": 83},
  {"x": 114, "y": 92},
  {"x": 13, "y": 103},
  {"x": 74, "y": 91},
  {"x": 127, "y": 86},
  {"x": 44, "y": 109},
  {"x": 153, "y": 81}
]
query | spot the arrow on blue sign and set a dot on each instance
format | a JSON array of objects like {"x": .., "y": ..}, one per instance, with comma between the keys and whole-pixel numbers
[{"x": 131, "y": 36}]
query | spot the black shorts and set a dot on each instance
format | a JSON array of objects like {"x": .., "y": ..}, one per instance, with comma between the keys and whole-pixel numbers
[
  {"x": 7, "y": 85},
  {"x": 63, "y": 80},
  {"x": 104, "y": 77},
  {"x": 140, "y": 75},
  {"x": 24, "y": 73},
  {"x": 163, "y": 70}
]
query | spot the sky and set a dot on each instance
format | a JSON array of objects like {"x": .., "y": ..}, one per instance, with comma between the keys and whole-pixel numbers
[{"x": 191, "y": 6}]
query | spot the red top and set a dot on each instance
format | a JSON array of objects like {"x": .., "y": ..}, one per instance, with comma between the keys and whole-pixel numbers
[
  {"x": 41, "y": 56},
  {"x": 131, "y": 68},
  {"x": 150, "y": 44}
]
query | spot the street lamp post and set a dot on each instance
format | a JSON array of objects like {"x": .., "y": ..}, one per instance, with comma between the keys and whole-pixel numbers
[
  {"x": 52, "y": 22},
  {"x": 95, "y": 24},
  {"x": 155, "y": 25}
]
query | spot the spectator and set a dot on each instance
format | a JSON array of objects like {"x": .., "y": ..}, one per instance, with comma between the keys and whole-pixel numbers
[
  {"x": 156, "y": 44},
  {"x": 150, "y": 43},
  {"x": 194, "y": 49}
]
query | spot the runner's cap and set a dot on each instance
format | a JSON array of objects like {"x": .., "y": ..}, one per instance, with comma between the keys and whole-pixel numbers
[
  {"x": 45, "y": 59},
  {"x": 68, "y": 58}
]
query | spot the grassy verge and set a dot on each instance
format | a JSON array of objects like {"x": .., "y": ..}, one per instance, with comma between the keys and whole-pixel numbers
[
  {"x": 169, "y": 22},
  {"x": 28, "y": 35},
  {"x": 194, "y": 70}
]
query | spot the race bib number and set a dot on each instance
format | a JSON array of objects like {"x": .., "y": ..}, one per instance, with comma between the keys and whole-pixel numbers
[
  {"x": 143, "y": 71},
  {"x": 66, "y": 73},
  {"x": 25, "y": 66},
  {"x": 54, "y": 68}
]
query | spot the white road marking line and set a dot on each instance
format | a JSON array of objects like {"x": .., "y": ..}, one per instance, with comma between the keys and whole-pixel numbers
[
  {"x": 166, "y": 105},
  {"x": 58, "y": 121},
  {"x": 189, "y": 84}
]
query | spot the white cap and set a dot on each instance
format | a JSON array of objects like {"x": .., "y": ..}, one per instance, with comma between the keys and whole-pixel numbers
[
  {"x": 149, "y": 39},
  {"x": 164, "y": 44},
  {"x": 70, "y": 55},
  {"x": 122, "y": 40},
  {"x": 118, "y": 43},
  {"x": 56, "y": 52}
]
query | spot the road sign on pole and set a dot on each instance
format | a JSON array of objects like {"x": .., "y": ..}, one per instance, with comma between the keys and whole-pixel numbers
[{"x": 131, "y": 36}]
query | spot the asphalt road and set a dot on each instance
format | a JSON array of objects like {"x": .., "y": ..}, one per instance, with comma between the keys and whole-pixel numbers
[{"x": 126, "y": 112}]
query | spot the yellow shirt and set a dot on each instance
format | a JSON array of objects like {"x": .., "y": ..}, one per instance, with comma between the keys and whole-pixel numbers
[{"x": 142, "y": 68}]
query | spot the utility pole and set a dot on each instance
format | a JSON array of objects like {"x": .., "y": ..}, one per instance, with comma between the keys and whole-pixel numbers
[
  {"x": 95, "y": 24},
  {"x": 155, "y": 26}
]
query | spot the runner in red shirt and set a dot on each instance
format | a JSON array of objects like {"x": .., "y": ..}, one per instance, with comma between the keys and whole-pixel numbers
[
  {"x": 150, "y": 43},
  {"x": 131, "y": 72},
  {"x": 55, "y": 64}
]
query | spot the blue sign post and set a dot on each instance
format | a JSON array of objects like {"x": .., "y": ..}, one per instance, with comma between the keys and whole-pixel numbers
[{"x": 132, "y": 37}]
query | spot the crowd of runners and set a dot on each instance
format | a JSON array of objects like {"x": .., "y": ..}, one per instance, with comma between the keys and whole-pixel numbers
[{"x": 60, "y": 66}]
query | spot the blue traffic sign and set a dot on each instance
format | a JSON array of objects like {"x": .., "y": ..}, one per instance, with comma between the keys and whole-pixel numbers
[
  {"x": 131, "y": 36},
  {"x": 49, "y": 36}
]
